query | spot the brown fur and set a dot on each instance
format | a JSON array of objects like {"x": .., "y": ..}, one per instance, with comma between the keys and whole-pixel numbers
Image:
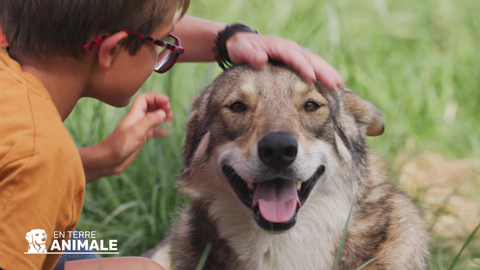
[{"x": 385, "y": 220}]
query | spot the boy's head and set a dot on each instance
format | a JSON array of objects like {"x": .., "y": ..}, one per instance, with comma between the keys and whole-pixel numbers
[
  {"x": 61, "y": 27},
  {"x": 43, "y": 30}
]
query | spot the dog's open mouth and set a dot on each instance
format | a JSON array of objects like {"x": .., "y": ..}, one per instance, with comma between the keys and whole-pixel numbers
[{"x": 274, "y": 202}]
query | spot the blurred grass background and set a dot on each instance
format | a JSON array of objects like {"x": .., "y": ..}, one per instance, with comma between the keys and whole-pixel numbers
[{"x": 417, "y": 61}]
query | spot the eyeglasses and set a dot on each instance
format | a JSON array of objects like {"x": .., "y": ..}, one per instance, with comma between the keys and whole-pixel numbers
[{"x": 169, "y": 48}]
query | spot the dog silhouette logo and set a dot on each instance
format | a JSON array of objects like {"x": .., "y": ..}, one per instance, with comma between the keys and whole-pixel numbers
[{"x": 36, "y": 241}]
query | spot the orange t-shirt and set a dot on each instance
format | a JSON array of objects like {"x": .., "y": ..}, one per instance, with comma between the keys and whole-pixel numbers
[{"x": 42, "y": 183}]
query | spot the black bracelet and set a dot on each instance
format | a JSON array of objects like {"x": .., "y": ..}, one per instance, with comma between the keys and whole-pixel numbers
[{"x": 220, "y": 43}]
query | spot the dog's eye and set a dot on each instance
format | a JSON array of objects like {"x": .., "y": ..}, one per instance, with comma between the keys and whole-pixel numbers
[
  {"x": 238, "y": 107},
  {"x": 311, "y": 106},
  {"x": 36, "y": 234}
]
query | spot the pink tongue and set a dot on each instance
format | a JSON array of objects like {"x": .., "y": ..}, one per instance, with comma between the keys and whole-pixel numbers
[{"x": 277, "y": 200}]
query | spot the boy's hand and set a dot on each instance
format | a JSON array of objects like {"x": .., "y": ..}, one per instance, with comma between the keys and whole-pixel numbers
[
  {"x": 255, "y": 50},
  {"x": 114, "y": 154}
]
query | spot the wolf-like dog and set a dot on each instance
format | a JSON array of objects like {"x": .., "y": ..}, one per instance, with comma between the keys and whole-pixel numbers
[{"x": 272, "y": 165}]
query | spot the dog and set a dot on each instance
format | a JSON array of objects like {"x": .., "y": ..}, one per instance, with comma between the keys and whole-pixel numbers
[
  {"x": 36, "y": 241},
  {"x": 272, "y": 165}
]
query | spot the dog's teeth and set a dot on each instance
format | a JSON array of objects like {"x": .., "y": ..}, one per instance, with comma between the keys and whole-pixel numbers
[
  {"x": 299, "y": 185},
  {"x": 251, "y": 185}
]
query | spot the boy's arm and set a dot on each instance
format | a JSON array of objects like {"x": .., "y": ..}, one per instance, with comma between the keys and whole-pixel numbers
[
  {"x": 197, "y": 37},
  {"x": 114, "y": 154},
  {"x": 14, "y": 226},
  {"x": 37, "y": 193},
  {"x": 96, "y": 162}
]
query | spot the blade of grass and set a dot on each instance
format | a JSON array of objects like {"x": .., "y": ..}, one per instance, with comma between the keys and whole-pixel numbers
[
  {"x": 457, "y": 257},
  {"x": 441, "y": 260},
  {"x": 118, "y": 210},
  {"x": 373, "y": 259},
  {"x": 340, "y": 248},
  {"x": 204, "y": 257}
]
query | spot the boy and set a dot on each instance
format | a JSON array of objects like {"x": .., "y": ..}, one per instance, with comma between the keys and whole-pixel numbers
[{"x": 50, "y": 64}]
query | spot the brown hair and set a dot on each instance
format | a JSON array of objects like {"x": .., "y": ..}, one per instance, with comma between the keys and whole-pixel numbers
[{"x": 62, "y": 27}]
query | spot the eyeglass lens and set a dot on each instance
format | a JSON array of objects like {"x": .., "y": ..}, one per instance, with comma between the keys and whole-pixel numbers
[{"x": 165, "y": 56}]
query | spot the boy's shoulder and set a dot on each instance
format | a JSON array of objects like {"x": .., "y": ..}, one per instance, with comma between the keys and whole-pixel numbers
[{"x": 29, "y": 120}]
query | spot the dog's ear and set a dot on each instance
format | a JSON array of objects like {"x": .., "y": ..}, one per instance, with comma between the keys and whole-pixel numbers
[
  {"x": 364, "y": 112},
  {"x": 196, "y": 129},
  {"x": 29, "y": 237}
]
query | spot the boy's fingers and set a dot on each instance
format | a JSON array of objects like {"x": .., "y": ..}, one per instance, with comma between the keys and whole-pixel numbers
[
  {"x": 257, "y": 49},
  {"x": 157, "y": 132},
  {"x": 160, "y": 132},
  {"x": 300, "y": 63},
  {"x": 170, "y": 115},
  {"x": 325, "y": 72},
  {"x": 157, "y": 101},
  {"x": 151, "y": 102},
  {"x": 169, "y": 112},
  {"x": 145, "y": 103},
  {"x": 290, "y": 53},
  {"x": 257, "y": 58},
  {"x": 126, "y": 163},
  {"x": 147, "y": 123}
]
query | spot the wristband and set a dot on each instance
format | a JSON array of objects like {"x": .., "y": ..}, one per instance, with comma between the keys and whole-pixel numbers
[{"x": 220, "y": 43}]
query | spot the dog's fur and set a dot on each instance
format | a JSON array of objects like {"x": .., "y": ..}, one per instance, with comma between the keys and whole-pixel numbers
[
  {"x": 384, "y": 223},
  {"x": 36, "y": 241}
]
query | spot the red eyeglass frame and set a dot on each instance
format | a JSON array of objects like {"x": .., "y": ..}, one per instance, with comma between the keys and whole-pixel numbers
[
  {"x": 2, "y": 38},
  {"x": 178, "y": 49}
]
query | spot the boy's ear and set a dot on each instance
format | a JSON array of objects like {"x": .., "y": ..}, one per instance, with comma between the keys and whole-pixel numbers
[{"x": 109, "y": 49}]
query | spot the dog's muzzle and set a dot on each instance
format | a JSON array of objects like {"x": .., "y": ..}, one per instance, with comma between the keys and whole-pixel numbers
[{"x": 274, "y": 202}]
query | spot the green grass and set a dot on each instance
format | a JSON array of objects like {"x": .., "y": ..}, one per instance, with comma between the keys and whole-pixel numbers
[{"x": 410, "y": 58}]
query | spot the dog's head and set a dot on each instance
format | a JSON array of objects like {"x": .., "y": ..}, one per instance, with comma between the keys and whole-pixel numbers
[
  {"x": 268, "y": 137},
  {"x": 37, "y": 236}
]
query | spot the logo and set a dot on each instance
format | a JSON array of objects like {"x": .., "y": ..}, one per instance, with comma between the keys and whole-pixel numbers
[
  {"x": 36, "y": 241},
  {"x": 79, "y": 242}
]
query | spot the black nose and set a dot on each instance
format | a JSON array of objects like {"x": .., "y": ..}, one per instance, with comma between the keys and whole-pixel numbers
[{"x": 277, "y": 150}]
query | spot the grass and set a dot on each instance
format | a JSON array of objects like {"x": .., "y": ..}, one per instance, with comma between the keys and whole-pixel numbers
[
  {"x": 415, "y": 60},
  {"x": 469, "y": 239}
]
